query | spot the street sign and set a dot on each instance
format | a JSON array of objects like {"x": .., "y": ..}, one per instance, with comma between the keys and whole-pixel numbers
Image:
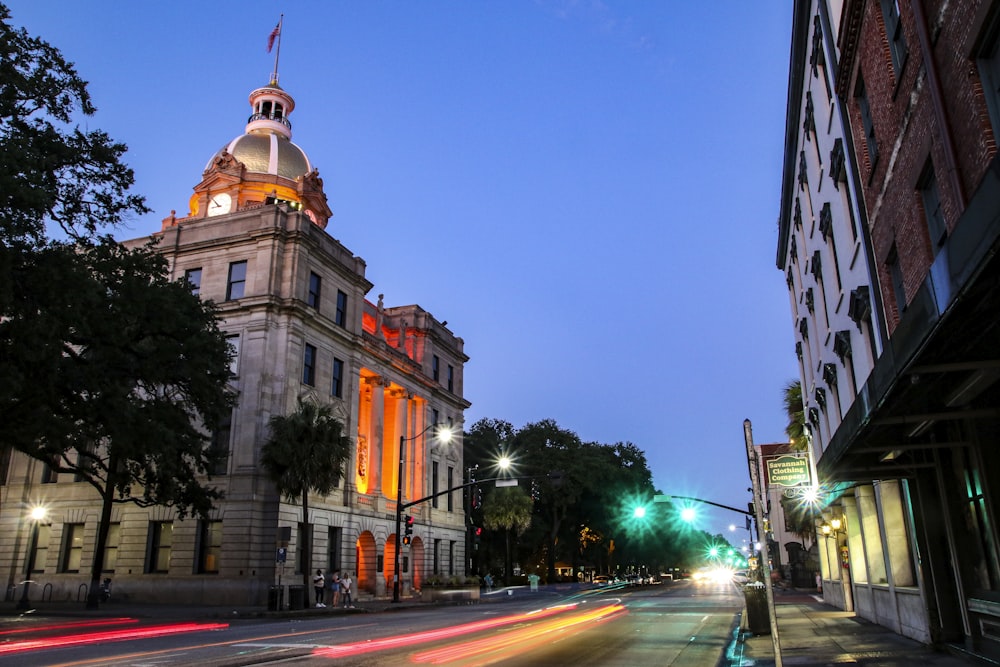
[
  {"x": 506, "y": 482},
  {"x": 788, "y": 470}
]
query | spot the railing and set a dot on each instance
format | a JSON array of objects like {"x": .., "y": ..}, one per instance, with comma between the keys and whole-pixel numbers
[{"x": 266, "y": 116}]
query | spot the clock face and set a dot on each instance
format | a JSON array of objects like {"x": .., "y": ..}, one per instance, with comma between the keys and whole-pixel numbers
[{"x": 219, "y": 204}]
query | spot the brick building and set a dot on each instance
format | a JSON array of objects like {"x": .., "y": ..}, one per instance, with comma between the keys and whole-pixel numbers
[{"x": 919, "y": 82}]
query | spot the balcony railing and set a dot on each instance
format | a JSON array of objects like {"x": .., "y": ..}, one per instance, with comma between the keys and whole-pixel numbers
[{"x": 264, "y": 116}]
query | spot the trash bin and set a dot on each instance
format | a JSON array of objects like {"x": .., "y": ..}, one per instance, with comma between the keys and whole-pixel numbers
[
  {"x": 275, "y": 598},
  {"x": 758, "y": 619},
  {"x": 296, "y": 597}
]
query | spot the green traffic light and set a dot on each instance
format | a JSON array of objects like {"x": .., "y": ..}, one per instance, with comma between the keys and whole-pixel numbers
[
  {"x": 639, "y": 512},
  {"x": 688, "y": 514}
]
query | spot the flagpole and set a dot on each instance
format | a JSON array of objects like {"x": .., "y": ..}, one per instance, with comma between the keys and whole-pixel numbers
[{"x": 277, "y": 52}]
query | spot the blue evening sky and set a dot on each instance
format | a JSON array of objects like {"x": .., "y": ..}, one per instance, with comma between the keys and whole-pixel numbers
[{"x": 586, "y": 191}]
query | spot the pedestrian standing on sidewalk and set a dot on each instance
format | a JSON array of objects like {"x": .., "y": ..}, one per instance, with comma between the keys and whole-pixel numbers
[
  {"x": 319, "y": 586},
  {"x": 346, "y": 583},
  {"x": 335, "y": 589}
]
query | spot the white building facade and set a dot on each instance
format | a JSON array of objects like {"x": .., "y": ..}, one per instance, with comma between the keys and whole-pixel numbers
[{"x": 864, "y": 529}]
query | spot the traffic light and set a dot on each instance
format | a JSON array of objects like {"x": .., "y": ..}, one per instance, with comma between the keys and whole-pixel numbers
[
  {"x": 477, "y": 497},
  {"x": 408, "y": 530},
  {"x": 477, "y": 534}
]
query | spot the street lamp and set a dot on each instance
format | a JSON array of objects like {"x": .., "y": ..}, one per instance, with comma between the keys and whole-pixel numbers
[
  {"x": 37, "y": 515},
  {"x": 444, "y": 435}
]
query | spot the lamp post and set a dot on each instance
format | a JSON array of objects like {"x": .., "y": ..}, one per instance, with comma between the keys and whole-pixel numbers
[
  {"x": 444, "y": 435},
  {"x": 37, "y": 515}
]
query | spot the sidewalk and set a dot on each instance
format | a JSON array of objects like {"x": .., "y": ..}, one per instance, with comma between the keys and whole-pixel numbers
[{"x": 814, "y": 633}]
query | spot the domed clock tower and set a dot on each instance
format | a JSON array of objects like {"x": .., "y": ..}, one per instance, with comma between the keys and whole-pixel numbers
[{"x": 261, "y": 166}]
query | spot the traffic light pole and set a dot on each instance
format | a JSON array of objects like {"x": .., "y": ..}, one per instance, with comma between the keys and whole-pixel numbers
[
  {"x": 400, "y": 506},
  {"x": 399, "y": 520}
]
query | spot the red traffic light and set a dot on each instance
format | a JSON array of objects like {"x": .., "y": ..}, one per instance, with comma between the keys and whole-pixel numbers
[
  {"x": 478, "y": 531},
  {"x": 409, "y": 521}
]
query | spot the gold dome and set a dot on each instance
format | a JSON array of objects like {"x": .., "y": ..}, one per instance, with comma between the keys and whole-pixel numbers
[{"x": 266, "y": 153}]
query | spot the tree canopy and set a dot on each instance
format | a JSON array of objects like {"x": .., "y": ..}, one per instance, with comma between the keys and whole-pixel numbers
[
  {"x": 584, "y": 495},
  {"x": 108, "y": 369},
  {"x": 305, "y": 452}
]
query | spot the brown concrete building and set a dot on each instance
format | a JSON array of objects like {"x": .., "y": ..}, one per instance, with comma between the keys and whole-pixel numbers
[{"x": 293, "y": 301}]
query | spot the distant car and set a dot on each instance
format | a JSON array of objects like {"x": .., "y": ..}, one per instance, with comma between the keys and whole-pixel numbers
[
  {"x": 741, "y": 576},
  {"x": 602, "y": 580}
]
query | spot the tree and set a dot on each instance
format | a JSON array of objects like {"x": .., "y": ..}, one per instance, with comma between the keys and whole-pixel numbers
[
  {"x": 306, "y": 452},
  {"x": 796, "y": 428},
  {"x": 507, "y": 508},
  {"x": 129, "y": 382},
  {"x": 52, "y": 172},
  {"x": 108, "y": 370}
]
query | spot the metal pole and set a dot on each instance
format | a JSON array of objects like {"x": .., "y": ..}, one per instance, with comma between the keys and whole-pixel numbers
[
  {"x": 399, "y": 520},
  {"x": 29, "y": 564},
  {"x": 758, "y": 502}
]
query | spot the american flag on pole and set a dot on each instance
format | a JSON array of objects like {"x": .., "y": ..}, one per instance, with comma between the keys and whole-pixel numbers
[{"x": 274, "y": 35}]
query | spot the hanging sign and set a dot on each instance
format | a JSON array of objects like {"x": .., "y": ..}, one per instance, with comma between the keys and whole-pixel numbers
[{"x": 788, "y": 470}]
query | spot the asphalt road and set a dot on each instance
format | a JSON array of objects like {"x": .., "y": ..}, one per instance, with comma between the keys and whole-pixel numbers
[{"x": 680, "y": 624}]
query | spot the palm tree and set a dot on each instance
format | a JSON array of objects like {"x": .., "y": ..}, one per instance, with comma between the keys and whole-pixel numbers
[
  {"x": 306, "y": 452},
  {"x": 508, "y": 508},
  {"x": 795, "y": 410}
]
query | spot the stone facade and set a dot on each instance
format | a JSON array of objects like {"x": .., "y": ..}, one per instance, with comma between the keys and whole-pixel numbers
[{"x": 292, "y": 300}]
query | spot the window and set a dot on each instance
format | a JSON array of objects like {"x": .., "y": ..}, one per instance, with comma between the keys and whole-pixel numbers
[
  {"x": 234, "y": 348},
  {"x": 111, "y": 548},
  {"x": 209, "y": 547},
  {"x": 84, "y": 457},
  {"x": 4, "y": 463},
  {"x": 896, "y": 276},
  {"x": 434, "y": 484},
  {"x": 161, "y": 539},
  {"x": 309, "y": 366},
  {"x": 72, "y": 547},
  {"x": 314, "y": 287},
  {"x": 49, "y": 474},
  {"x": 236, "y": 284},
  {"x": 451, "y": 483},
  {"x": 989, "y": 71},
  {"x": 435, "y": 416},
  {"x": 39, "y": 547},
  {"x": 866, "y": 122},
  {"x": 334, "y": 535},
  {"x": 337, "y": 385},
  {"x": 435, "y": 368},
  {"x": 221, "y": 437},
  {"x": 437, "y": 556},
  {"x": 931, "y": 198},
  {"x": 894, "y": 31},
  {"x": 193, "y": 278},
  {"x": 451, "y": 378},
  {"x": 451, "y": 557},
  {"x": 341, "y": 316}
]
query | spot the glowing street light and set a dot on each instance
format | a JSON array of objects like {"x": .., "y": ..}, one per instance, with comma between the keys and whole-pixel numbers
[
  {"x": 443, "y": 435},
  {"x": 37, "y": 515}
]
